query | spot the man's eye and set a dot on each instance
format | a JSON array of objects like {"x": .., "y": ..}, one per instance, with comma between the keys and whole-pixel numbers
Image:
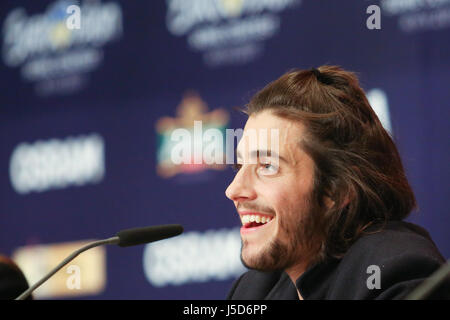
[{"x": 267, "y": 169}]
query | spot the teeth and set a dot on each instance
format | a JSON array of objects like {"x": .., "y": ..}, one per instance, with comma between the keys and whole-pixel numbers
[{"x": 255, "y": 218}]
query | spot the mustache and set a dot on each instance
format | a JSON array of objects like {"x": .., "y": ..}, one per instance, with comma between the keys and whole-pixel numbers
[{"x": 254, "y": 207}]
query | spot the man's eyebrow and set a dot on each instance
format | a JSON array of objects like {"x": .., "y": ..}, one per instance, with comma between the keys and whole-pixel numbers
[{"x": 265, "y": 153}]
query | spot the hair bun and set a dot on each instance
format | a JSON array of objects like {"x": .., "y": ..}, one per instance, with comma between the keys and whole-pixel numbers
[{"x": 321, "y": 77}]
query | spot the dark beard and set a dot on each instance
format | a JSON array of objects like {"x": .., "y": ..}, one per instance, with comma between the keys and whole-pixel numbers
[
  {"x": 273, "y": 257},
  {"x": 277, "y": 255}
]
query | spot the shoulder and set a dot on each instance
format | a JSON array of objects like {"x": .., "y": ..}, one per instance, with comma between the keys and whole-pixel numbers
[
  {"x": 399, "y": 257},
  {"x": 396, "y": 238},
  {"x": 258, "y": 285},
  {"x": 398, "y": 245}
]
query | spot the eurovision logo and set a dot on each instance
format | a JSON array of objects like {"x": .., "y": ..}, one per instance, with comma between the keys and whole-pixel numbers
[
  {"x": 418, "y": 15},
  {"x": 226, "y": 31},
  {"x": 193, "y": 118},
  {"x": 52, "y": 56}
]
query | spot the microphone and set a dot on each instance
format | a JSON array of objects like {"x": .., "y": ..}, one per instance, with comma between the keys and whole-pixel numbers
[
  {"x": 429, "y": 285},
  {"x": 124, "y": 238},
  {"x": 132, "y": 237}
]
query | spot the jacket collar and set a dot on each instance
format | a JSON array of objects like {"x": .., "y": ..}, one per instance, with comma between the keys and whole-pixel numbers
[{"x": 316, "y": 280}]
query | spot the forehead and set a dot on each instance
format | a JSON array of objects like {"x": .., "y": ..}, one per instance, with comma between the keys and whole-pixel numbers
[{"x": 272, "y": 131}]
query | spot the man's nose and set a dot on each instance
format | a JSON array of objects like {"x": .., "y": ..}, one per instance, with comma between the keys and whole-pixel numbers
[{"x": 241, "y": 188}]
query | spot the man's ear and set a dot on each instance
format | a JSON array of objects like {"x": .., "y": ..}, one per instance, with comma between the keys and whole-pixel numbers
[
  {"x": 349, "y": 197},
  {"x": 330, "y": 203}
]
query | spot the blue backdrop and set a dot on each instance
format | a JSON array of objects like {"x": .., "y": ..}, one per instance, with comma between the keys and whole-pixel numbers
[{"x": 86, "y": 117}]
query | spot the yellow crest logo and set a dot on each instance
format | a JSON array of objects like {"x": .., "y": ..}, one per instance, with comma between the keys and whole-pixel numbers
[{"x": 186, "y": 136}]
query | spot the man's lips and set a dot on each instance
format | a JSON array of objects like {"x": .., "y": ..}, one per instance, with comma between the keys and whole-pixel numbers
[{"x": 251, "y": 221}]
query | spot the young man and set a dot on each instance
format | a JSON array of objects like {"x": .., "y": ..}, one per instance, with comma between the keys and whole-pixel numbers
[{"x": 322, "y": 215}]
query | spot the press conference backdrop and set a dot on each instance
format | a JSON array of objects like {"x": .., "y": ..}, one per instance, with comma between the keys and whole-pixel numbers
[{"x": 87, "y": 117}]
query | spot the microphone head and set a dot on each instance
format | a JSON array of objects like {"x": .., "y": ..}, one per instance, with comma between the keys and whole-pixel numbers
[{"x": 136, "y": 236}]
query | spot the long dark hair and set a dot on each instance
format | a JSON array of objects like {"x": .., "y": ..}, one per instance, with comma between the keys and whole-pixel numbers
[{"x": 357, "y": 164}]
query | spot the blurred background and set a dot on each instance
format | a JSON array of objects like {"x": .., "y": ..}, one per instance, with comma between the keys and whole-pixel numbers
[{"x": 88, "y": 106}]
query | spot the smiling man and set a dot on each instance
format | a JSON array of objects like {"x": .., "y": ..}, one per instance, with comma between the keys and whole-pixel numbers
[{"x": 322, "y": 214}]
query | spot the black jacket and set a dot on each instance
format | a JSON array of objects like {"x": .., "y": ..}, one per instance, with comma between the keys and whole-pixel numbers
[{"x": 404, "y": 253}]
